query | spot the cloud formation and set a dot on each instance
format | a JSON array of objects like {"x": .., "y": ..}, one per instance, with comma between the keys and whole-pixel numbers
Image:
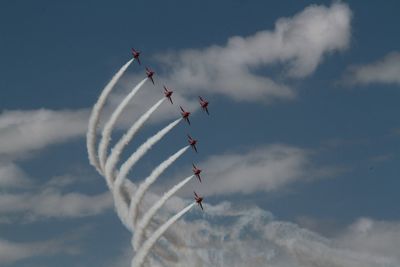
[
  {"x": 228, "y": 235},
  {"x": 11, "y": 176},
  {"x": 262, "y": 169},
  {"x": 232, "y": 236},
  {"x": 50, "y": 200},
  {"x": 11, "y": 252},
  {"x": 383, "y": 71},
  {"x": 51, "y": 203},
  {"x": 299, "y": 44},
  {"x": 369, "y": 236},
  {"x": 24, "y": 131}
]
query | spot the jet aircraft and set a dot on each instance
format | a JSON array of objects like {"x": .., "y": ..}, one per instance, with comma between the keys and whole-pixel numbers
[
  {"x": 150, "y": 73},
  {"x": 136, "y": 55},
  {"x": 196, "y": 172},
  {"x": 168, "y": 94},
  {"x": 192, "y": 143},
  {"x": 204, "y": 104},
  {"x": 198, "y": 199},
  {"x": 185, "y": 115}
]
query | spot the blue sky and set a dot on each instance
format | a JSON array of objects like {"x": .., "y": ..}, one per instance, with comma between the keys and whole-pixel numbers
[{"x": 302, "y": 138}]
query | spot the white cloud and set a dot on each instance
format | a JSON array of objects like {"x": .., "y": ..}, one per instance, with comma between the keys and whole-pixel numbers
[
  {"x": 298, "y": 43},
  {"x": 235, "y": 236},
  {"x": 262, "y": 169},
  {"x": 12, "y": 176},
  {"x": 227, "y": 235},
  {"x": 22, "y": 132},
  {"x": 52, "y": 203},
  {"x": 25, "y": 131},
  {"x": 11, "y": 252},
  {"x": 251, "y": 237},
  {"x": 372, "y": 237},
  {"x": 384, "y": 71}
]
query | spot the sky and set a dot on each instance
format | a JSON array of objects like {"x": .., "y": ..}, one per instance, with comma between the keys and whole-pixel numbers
[{"x": 299, "y": 153}]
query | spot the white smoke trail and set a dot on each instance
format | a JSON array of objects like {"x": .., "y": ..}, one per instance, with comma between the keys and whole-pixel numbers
[
  {"x": 144, "y": 222},
  {"x": 140, "y": 256},
  {"x": 131, "y": 161},
  {"x": 106, "y": 134},
  {"x": 116, "y": 151},
  {"x": 121, "y": 204},
  {"x": 95, "y": 116},
  {"x": 144, "y": 186}
]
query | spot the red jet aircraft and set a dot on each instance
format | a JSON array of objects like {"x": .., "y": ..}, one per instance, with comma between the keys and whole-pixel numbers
[
  {"x": 136, "y": 55},
  {"x": 197, "y": 172},
  {"x": 168, "y": 94},
  {"x": 150, "y": 73},
  {"x": 198, "y": 199},
  {"x": 204, "y": 104},
  {"x": 185, "y": 115},
  {"x": 192, "y": 143}
]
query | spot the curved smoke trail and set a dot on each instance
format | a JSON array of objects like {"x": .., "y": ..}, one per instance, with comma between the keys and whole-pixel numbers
[
  {"x": 95, "y": 116},
  {"x": 123, "y": 189},
  {"x": 144, "y": 186},
  {"x": 144, "y": 222},
  {"x": 121, "y": 204},
  {"x": 140, "y": 256},
  {"x": 116, "y": 151},
  {"x": 106, "y": 134},
  {"x": 131, "y": 161}
]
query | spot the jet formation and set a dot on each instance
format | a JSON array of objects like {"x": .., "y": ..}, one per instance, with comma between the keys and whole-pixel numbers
[{"x": 185, "y": 115}]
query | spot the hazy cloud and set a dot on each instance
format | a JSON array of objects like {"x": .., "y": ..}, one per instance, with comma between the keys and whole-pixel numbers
[
  {"x": 252, "y": 237},
  {"x": 53, "y": 203},
  {"x": 384, "y": 71},
  {"x": 50, "y": 201},
  {"x": 11, "y": 176},
  {"x": 249, "y": 236},
  {"x": 370, "y": 236},
  {"x": 24, "y": 131},
  {"x": 262, "y": 169},
  {"x": 14, "y": 251},
  {"x": 299, "y": 44}
]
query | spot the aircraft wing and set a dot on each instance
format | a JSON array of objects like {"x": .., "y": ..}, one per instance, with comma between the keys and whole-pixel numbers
[{"x": 201, "y": 206}]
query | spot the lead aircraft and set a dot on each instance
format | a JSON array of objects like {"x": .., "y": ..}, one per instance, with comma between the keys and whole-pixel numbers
[{"x": 136, "y": 54}]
